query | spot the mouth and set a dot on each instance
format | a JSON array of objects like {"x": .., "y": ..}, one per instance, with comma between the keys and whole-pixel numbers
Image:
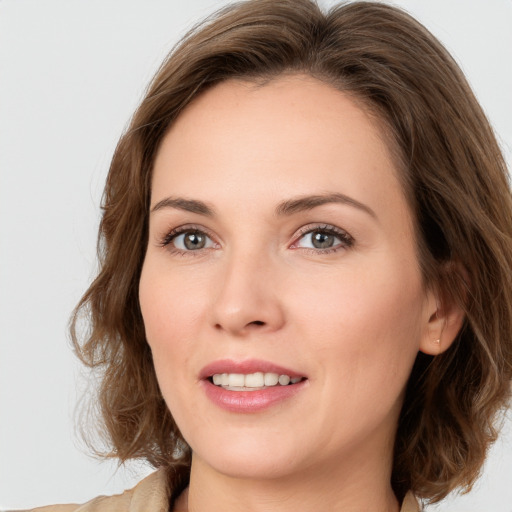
[
  {"x": 250, "y": 386},
  {"x": 252, "y": 381}
]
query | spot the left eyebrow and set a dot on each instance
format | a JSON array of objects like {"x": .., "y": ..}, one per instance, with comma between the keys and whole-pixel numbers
[
  {"x": 188, "y": 205},
  {"x": 305, "y": 203}
]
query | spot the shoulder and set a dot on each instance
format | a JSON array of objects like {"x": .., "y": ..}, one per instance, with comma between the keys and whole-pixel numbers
[
  {"x": 149, "y": 495},
  {"x": 410, "y": 504}
]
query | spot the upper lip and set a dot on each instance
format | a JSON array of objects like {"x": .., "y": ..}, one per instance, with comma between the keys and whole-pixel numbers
[{"x": 247, "y": 366}]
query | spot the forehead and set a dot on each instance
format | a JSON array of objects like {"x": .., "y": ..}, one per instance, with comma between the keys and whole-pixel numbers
[
  {"x": 291, "y": 136},
  {"x": 302, "y": 104}
]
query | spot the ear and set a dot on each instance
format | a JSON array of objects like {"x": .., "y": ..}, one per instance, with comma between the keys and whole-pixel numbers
[{"x": 443, "y": 321}]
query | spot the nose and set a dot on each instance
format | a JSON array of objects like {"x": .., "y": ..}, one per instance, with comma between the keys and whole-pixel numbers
[{"x": 248, "y": 299}]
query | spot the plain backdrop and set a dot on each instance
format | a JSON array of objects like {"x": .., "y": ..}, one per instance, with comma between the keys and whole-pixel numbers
[{"x": 71, "y": 73}]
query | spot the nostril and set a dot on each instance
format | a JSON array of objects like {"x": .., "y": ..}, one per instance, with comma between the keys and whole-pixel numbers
[{"x": 257, "y": 322}]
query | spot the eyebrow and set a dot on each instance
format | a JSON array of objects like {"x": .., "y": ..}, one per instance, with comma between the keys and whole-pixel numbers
[
  {"x": 288, "y": 207},
  {"x": 188, "y": 205},
  {"x": 305, "y": 203}
]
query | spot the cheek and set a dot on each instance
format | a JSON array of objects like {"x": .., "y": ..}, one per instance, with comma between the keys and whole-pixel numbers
[
  {"x": 170, "y": 316},
  {"x": 366, "y": 326},
  {"x": 170, "y": 311},
  {"x": 170, "y": 306}
]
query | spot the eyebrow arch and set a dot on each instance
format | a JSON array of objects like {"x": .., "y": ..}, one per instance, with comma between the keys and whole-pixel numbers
[
  {"x": 304, "y": 203},
  {"x": 188, "y": 205},
  {"x": 288, "y": 207}
]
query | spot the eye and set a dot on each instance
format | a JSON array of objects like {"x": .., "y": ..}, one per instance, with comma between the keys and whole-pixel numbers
[
  {"x": 324, "y": 239},
  {"x": 187, "y": 240}
]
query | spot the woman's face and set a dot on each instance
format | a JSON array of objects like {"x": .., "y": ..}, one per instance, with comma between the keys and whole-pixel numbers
[{"x": 281, "y": 243}]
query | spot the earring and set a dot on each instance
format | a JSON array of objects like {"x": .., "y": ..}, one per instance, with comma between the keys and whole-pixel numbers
[{"x": 438, "y": 341}]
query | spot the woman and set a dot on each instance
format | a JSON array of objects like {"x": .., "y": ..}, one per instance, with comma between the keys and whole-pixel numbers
[{"x": 305, "y": 293}]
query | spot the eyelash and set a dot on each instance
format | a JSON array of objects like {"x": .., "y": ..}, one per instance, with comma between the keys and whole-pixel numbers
[
  {"x": 172, "y": 235},
  {"x": 346, "y": 240}
]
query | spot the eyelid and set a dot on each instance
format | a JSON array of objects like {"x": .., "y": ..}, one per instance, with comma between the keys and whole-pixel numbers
[
  {"x": 166, "y": 240},
  {"x": 346, "y": 238}
]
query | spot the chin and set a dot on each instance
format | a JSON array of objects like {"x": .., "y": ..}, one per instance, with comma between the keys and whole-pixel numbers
[
  {"x": 240, "y": 466},
  {"x": 249, "y": 457}
]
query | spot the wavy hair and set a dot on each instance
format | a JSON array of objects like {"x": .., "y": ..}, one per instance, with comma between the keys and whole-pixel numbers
[{"x": 455, "y": 180}]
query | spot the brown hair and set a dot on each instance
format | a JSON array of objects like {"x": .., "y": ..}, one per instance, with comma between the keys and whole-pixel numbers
[{"x": 456, "y": 182}]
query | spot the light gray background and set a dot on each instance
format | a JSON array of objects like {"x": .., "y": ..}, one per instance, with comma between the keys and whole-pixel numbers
[{"x": 71, "y": 73}]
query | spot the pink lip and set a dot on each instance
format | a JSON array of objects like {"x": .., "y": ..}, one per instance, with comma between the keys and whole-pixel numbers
[{"x": 248, "y": 401}]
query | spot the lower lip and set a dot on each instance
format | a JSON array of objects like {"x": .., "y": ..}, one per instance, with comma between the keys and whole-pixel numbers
[{"x": 250, "y": 401}]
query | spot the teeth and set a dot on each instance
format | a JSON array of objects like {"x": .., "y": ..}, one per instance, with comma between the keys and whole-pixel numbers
[
  {"x": 258, "y": 380},
  {"x": 271, "y": 379},
  {"x": 284, "y": 380},
  {"x": 254, "y": 380},
  {"x": 236, "y": 380}
]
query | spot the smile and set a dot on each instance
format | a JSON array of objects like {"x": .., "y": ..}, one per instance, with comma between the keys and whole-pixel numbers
[
  {"x": 252, "y": 381},
  {"x": 251, "y": 385}
]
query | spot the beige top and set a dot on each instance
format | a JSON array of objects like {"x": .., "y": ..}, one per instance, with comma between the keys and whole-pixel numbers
[{"x": 150, "y": 495}]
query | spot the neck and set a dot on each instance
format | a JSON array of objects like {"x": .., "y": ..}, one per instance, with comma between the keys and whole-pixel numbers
[{"x": 354, "y": 486}]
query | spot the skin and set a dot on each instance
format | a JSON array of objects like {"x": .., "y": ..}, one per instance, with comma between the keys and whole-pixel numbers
[{"x": 351, "y": 319}]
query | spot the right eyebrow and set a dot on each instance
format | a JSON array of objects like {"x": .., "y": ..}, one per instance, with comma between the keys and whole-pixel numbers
[{"x": 188, "y": 205}]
